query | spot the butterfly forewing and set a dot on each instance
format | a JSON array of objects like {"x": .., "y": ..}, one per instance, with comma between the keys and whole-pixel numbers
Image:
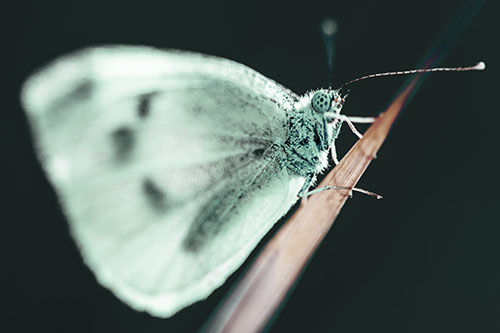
[{"x": 166, "y": 163}]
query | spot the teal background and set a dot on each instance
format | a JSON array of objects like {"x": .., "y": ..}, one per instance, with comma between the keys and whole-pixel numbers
[{"x": 424, "y": 259}]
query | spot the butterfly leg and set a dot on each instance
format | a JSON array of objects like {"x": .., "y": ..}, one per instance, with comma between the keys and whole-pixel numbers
[
  {"x": 334, "y": 154},
  {"x": 353, "y": 128},
  {"x": 305, "y": 188},
  {"x": 351, "y": 120},
  {"x": 362, "y": 120},
  {"x": 359, "y": 120},
  {"x": 360, "y": 190}
]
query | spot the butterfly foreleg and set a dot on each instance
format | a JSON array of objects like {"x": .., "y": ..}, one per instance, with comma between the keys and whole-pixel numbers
[
  {"x": 334, "y": 154},
  {"x": 351, "y": 120}
]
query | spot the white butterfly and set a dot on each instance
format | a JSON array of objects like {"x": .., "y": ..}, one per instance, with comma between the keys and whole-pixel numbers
[{"x": 171, "y": 166}]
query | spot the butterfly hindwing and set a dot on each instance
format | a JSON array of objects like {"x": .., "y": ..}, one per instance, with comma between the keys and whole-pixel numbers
[{"x": 166, "y": 164}]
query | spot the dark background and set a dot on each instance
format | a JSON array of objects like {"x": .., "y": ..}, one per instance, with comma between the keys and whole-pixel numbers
[{"x": 424, "y": 259}]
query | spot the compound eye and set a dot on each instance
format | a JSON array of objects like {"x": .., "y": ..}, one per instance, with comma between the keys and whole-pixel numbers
[{"x": 321, "y": 101}]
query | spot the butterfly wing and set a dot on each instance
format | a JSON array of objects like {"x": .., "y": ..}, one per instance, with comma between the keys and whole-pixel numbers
[{"x": 167, "y": 164}]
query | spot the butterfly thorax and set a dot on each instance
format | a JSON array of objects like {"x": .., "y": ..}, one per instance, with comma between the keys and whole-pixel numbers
[{"x": 309, "y": 138}]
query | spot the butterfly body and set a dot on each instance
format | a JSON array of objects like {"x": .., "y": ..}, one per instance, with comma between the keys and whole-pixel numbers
[
  {"x": 309, "y": 140},
  {"x": 171, "y": 166}
]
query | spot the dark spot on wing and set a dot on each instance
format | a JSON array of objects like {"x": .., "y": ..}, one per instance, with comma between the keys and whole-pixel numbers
[
  {"x": 193, "y": 243},
  {"x": 258, "y": 152},
  {"x": 123, "y": 140},
  {"x": 82, "y": 90},
  {"x": 144, "y": 105},
  {"x": 211, "y": 219},
  {"x": 197, "y": 109},
  {"x": 79, "y": 92},
  {"x": 155, "y": 196}
]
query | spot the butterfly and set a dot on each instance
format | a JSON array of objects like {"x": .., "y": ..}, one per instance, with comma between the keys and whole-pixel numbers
[{"x": 171, "y": 166}]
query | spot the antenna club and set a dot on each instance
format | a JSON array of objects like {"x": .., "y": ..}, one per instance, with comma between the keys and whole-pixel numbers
[{"x": 480, "y": 66}]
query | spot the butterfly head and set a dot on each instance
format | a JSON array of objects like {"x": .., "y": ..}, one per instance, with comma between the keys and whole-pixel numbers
[{"x": 327, "y": 101}]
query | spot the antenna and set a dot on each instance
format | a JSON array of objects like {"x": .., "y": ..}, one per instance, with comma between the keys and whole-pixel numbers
[
  {"x": 477, "y": 67},
  {"x": 329, "y": 28}
]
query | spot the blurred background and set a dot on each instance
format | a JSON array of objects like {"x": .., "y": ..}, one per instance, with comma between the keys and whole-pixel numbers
[{"x": 425, "y": 258}]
